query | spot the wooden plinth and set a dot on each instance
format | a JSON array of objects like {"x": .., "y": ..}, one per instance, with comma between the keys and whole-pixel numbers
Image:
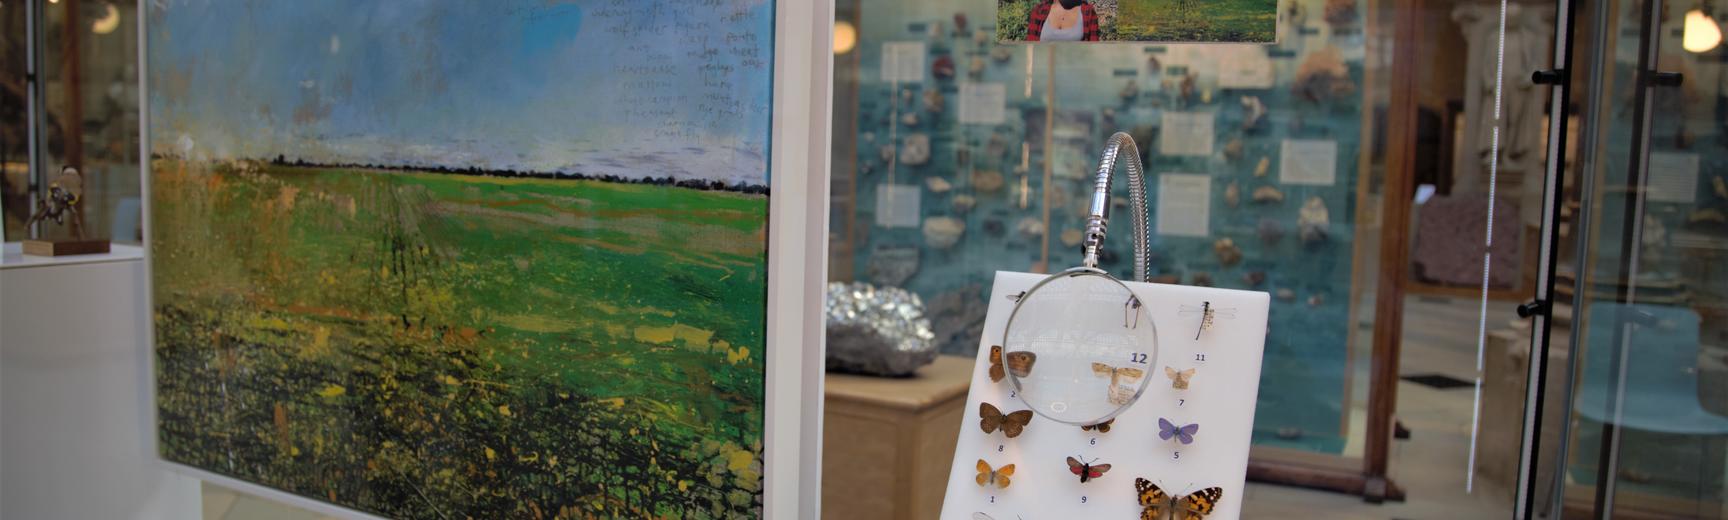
[
  {"x": 65, "y": 247},
  {"x": 888, "y": 443}
]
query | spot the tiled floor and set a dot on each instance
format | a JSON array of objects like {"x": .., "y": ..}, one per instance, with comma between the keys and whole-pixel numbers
[{"x": 1431, "y": 465}]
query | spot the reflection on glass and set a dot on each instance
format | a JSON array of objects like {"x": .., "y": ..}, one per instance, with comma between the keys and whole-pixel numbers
[
  {"x": 90, "y": 113},
  {"x": 14, "y": 153},
  {"x": 1649, "y": 433},
  {"x": 957, "y": 156}
]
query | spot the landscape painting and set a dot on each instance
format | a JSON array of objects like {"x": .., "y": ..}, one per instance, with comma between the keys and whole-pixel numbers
[
  {"x": 1150, "y": 21},
  {"x": 444, "y": 260}
]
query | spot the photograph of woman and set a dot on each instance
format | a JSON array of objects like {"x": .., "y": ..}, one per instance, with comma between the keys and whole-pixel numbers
[{"x": 1063, "y": 20}]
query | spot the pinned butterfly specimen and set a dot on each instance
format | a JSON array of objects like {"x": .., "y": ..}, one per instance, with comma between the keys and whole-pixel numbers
[
  {"x": 1155, "y": 504},
  {"x": 992, "y": 419},
  {"x": 1179, "y": 380},
  {"x": 1087, "y": 470},
  {"x": 1168, "y": 430},
  {"x": 1019, "y": 363},
  {"x": 1208, "y": 314},
  {"x": 994, "y": 477},
  {"x": 1122, "y": 379},
  {"x": 1103, "y": 427}
]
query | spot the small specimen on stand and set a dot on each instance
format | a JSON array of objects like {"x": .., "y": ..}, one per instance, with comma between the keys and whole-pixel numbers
[{"x": 65, "y": 191}]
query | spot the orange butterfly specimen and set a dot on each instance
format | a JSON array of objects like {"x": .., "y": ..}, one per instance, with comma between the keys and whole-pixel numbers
[
  {"x": 1103, "y": 427},
  {"x": 1086, "y": 470},
  {"x": 997, "y": 477},
  {"x": 1155, "y": 504},
  {"x": 992, "y": 419},
  {"x": 1019, "y": 363}
]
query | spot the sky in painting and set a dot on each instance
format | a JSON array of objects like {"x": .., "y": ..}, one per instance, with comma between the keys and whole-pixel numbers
[{"x": 632, "y": 88}]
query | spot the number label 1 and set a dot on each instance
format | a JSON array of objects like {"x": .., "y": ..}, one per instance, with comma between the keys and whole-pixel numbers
[{"x": 1137, "y": 357}]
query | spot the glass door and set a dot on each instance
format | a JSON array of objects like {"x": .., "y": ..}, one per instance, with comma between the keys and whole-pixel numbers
[{"x": 1640, "y": 314}]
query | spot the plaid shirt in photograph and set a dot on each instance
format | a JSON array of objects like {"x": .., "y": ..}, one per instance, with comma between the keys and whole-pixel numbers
[{"x": 1088, "y": 15}]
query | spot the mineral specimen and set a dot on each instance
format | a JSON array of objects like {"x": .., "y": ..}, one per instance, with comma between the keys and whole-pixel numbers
[
  {"x": 943, "y": 232},
  {"x": 1228, "y": 253},
  {"x": 1312, "y": 221},
  {"x": 916, "y": 150},
  {"x": 877, "y": 331}
]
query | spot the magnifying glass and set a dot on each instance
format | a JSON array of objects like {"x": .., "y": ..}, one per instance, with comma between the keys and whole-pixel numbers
[{"x": 1080, "y": 342}]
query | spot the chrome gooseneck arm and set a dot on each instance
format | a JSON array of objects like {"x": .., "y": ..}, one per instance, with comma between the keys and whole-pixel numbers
[{"x": 1120, "y": 147}]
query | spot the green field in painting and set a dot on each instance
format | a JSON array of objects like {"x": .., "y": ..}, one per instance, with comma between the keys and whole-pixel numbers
[
  {"x": 1196, "y": 21},
  {"x": 424, "y": 345}
]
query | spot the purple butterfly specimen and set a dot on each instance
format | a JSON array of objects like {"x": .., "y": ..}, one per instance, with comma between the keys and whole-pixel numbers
[{"x": 1167, "y": 429}]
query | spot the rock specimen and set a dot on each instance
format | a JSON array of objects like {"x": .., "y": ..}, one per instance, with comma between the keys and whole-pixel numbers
[
  {"x": 1322, "y": 77},
  {"x": 1271, "y": 231},
  {"x": 1252, "y": 111},
  {"x": 937, "y": 185},
  {"x": 934, "y": 102},
  {"x": 942, "y": 68},
  {"x": 1268, "y": 195},
  {"x": 1228, "y": 253},
  {"x": 893, "y": 265},
  {"x": 1031, "y": 227},
  {"x": 916, "y": 150},
  {"x": 987, "y": 181},
  {"x": 963, "y": 203},
  {"x": 1313, "y": 221},
  {"x": 943, "y": 232},
  {"x": 877, "y": 330}
]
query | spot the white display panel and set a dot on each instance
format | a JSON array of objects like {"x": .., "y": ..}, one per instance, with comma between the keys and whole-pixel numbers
[{"x": 1220, "y": 398}]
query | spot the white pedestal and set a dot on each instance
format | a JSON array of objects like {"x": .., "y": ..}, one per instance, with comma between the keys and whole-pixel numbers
[{"x": 74, "y": 433}]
